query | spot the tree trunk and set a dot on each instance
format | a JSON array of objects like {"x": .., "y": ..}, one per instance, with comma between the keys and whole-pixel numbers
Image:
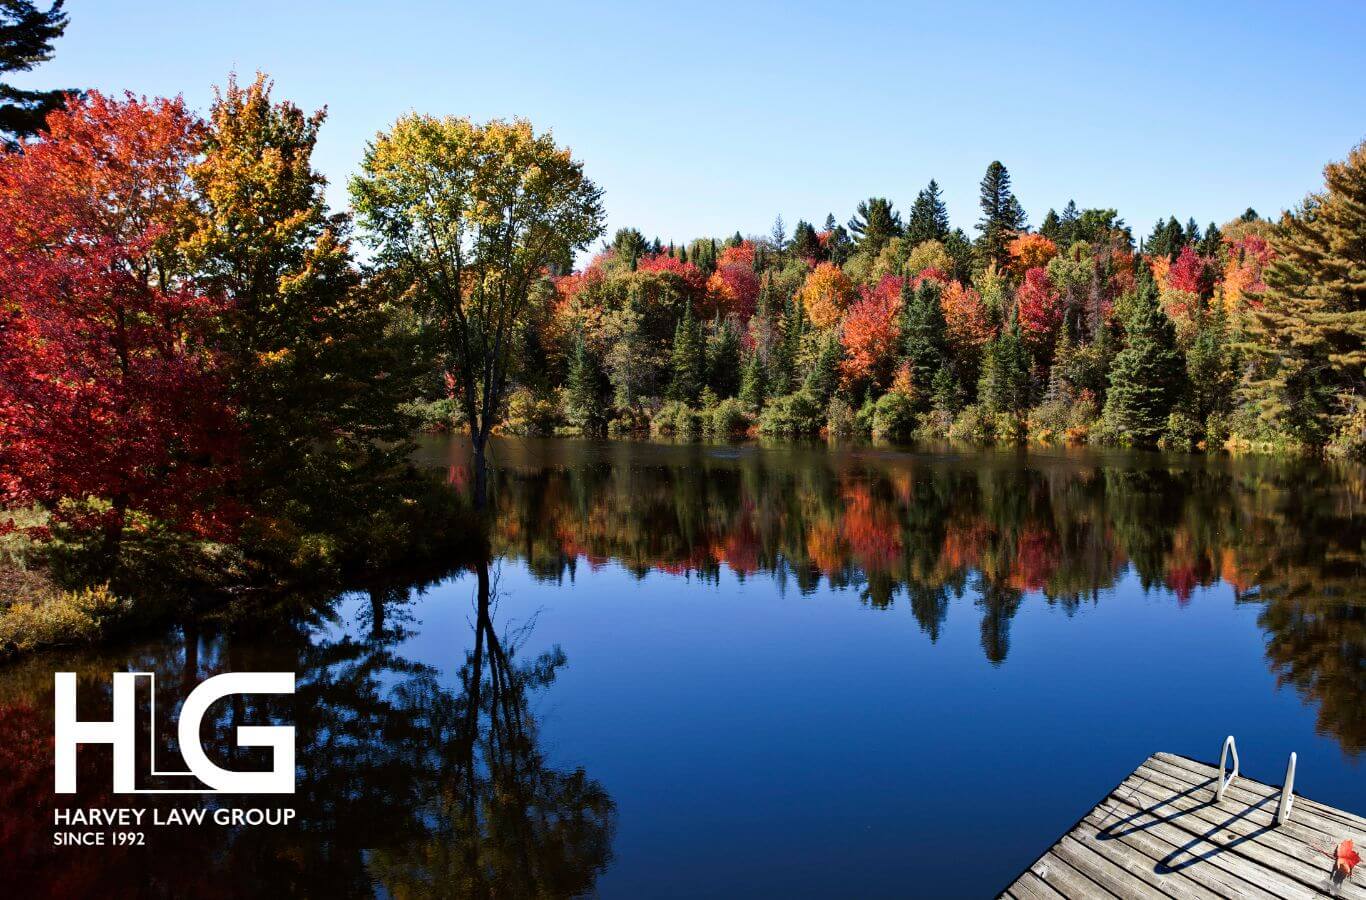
[
  {"x": 112, "y": 538},
  {"x": 481, "y": 475}
]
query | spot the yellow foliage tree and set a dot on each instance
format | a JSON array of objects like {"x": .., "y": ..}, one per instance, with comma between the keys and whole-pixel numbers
[
  {"x": 929, "y": 255},
  {"x": 825, "y": 295}
]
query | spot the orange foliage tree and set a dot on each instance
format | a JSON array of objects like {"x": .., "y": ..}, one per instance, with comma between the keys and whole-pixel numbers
[
  {"x": 870, "y": 335},
  {"x": 825, "y": 295},
  {"x": 1030, "y": 251},
  {"x": 965, "y": 317}
]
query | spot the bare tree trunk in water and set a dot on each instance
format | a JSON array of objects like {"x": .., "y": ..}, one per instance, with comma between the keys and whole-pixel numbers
[{"x": 481, "y": 472}]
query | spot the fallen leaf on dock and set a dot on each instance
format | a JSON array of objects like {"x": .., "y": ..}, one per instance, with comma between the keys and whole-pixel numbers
[{"x": 1347, "y": 858}]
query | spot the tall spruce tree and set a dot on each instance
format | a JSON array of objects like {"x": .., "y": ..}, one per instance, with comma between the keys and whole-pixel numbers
[
  {"x": 723, "y": 359},
  {"x": 1003, "y": 387},
  {"x": 753, "y": 381},
  {"x": 1167, "y": 239},
  {"x": 1311, "y": 328},
  {"x": 805, "y": 244},
  {"x": 688, "y": 364},
  {"x": 923, "y": 336},
  {"x": 929, "y": 218},
  {"x": 26, "y": 36},
  {"x": 1051, "y": 227},
  {"x": 1146, "y": 377},
  {"x": 586, "y": 390},
  {"x": 1002, "y": 215}
]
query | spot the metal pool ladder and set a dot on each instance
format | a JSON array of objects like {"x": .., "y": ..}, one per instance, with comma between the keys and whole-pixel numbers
[{"x": 1287, "y": 789}]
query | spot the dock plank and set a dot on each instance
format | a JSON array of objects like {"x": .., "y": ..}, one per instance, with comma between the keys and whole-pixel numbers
[{"x": 1161, "y": 834}]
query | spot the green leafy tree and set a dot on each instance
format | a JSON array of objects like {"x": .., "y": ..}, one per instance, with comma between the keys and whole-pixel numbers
[
  {"x": 26, "y": 36},
  {"x": 1145, "y": 380},
  {"x": 316, "y": 367},
  {"x": 467, "y": 217}
]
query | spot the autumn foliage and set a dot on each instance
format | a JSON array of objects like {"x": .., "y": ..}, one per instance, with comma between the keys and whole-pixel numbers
[
  {"x": 870, "y": 335},
  {"x": 108, "y": 385},
  {"x": 826, "y": 294},
  {"x": 1030, "y": 251},
  {"x": 1039, "y": 305},
  {"x": 965, "y": 317}
]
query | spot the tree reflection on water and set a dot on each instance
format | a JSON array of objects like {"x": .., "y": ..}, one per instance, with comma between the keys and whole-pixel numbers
[{"x": 421, "y": 784}]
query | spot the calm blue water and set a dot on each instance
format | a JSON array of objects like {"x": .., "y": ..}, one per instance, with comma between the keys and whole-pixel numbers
[{"x": 797, "y": 672}]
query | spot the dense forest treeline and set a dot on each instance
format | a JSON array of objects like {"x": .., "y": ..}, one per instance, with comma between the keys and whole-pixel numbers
[{"x": 1241, "y": 335}]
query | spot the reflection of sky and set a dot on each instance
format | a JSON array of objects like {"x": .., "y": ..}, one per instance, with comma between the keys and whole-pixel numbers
[{"x": 814, "y": 745}]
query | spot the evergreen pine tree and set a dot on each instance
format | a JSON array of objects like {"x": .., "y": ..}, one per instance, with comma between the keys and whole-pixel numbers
[
  {"x": 1212, "y": 242},
  {"x": 929, "y": 218},
  {"x": 1167, "y": 239},
  {"x": 753, "y": 389},
  {"x": 1003, "y": 388},
  {"x": 1067, "y": 225},
  {"x": 923, "y": 337},
  {"x": 824, "y": 376},
  {"x": 688, "y": 364},
  {"x": 1209, "y": 365},
  {"x": 586, "y": 390},
  {"x": 875, "y": 222},
  {"x": 1052, "y": 227},
  {"x": 26, "y": 36},
  {"x": 805, "y": 244},
  {"x": 782, "y": 363},
  {"x": 1311, "y": 328},
  {"x": 1002, "y": 215},
  {"x": 723, "y": 359},
  {"x": 1145, "y": 379}
]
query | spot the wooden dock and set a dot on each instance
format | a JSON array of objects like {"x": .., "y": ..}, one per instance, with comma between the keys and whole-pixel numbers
[{"x": 1160, "y": 833}]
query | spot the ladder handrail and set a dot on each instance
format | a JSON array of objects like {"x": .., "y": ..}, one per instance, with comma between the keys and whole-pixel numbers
[
  {"x": 1287, "y": 801},
  {"x": 1287, "y": 792},
  {"x": 1229, "y": 744}
]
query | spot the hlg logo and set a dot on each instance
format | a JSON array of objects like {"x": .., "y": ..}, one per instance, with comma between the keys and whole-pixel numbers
[{"x": 121, "y": 732}]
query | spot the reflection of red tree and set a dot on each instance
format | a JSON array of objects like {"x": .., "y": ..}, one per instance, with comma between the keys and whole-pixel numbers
[
  {"x": 740, "y": 547},
  {"x": 871, "y": 530},
  {"x": 1036, "y": 558},
  {"x": 963, "y": 543},
  {"x": 1187, "y": 567}
]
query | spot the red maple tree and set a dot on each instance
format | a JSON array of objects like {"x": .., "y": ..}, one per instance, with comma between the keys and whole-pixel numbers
[
  {"x": 108, "y": 386},
  {"x": 1039, "y": 305}
]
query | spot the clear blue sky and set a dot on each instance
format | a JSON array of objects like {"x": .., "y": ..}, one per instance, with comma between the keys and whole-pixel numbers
[{"x": 704, "y": 118}]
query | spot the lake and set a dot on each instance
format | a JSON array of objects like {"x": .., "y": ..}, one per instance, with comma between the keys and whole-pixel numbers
[{"x": 744, "y": 670}]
